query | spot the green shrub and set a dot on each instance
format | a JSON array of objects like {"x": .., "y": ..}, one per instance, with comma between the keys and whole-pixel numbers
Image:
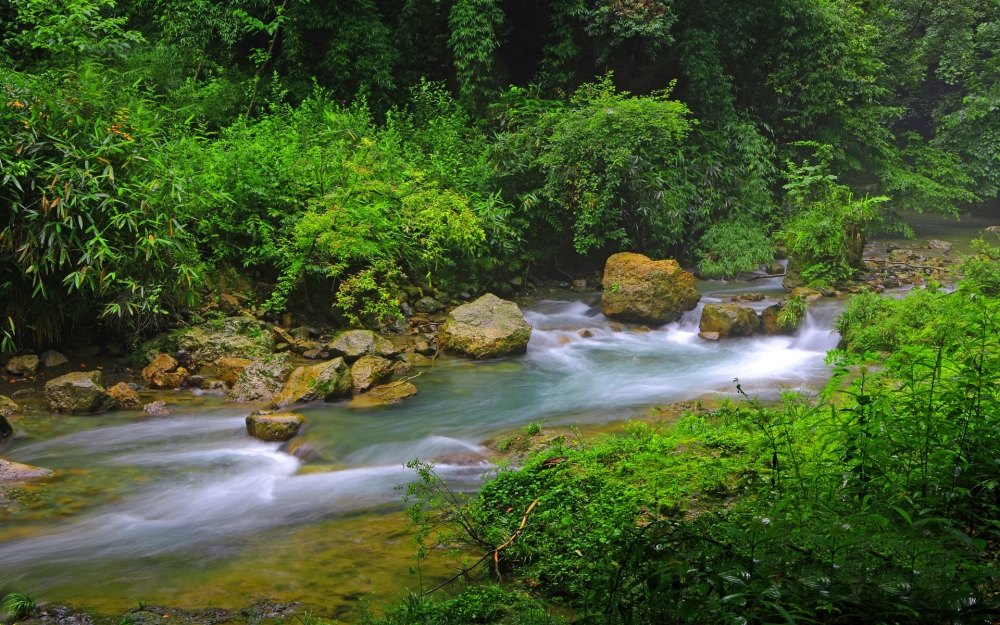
[
  {"x": 18, "y": 604},
  {"x": 732, "y": 247},
  {"x": 792, "y": 313}
]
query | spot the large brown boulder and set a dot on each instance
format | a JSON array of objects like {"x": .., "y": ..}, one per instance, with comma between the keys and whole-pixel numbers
[
  {"x": 322, "y": 382},
  {"x": 646, "y": 291},
  {"x": 124, "y": 397},
  {"x": 384, "y": 394},
  {"x": 229, "y": 369},
  {"x": 370, "y": 371},
  {"x": 729, "y": 320},
  {"x": 272, "y": 427},
  {"x": 78, "y": 392},
  {"x": 8, "y": 407},
  {"x": 354, "y": 344},
  {"x": 262, "y": 379},
  {"x": 486, "y": 328},
  {"x": 162, "y": 372}
]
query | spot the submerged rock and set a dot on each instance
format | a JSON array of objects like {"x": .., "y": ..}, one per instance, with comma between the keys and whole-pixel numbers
[
  {"x": 354, "y": 344},
  {"x": 416, "y": 360},
  {"x": 322, "y": 382},
  {"x": 25, "y": 365},
  {"x": 272, "y": 427},
  {"x": 368, "y": 371},
  {"x": 646, "y": 291},
  {"x": 938, "y": 244},
  {"x": 229, "y": 369},
  {"x": 162, "y": 372},
  {"x": 235, "y": 337},
  {"x": 17, "y": 471},
  {"x": 157, "y": 408},
  {"x": 52, "y": 358},
  {"x": 78, "y": 392},
  {"x": 729, "y": 320},
  {"x": 486, "y": 328},
  {"x": 769, "y": 320},
  {"x": 709, "y": 336},
  {"x": 262, "y": 379},
  {"x": 384, "y": 394},
  {"x": 124, "y": 397}
]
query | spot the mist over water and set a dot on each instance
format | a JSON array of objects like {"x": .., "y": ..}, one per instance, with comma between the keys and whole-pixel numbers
[{"x": 209, "y": 491}]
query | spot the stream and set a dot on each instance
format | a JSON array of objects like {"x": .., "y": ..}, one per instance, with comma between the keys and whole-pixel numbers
[{"x": 187, "y": 510}]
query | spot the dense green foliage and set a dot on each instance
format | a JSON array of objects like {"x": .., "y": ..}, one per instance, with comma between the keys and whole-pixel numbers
[
  {"x": 874, "y": 502},
  {"x": 332, "y": 152}
]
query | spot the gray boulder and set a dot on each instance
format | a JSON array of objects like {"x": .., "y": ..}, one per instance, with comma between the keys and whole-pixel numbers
[
  {"x": 52, "y": 358},
  {"x": 11, "y": 471},
  {"x": 78, "y": 392},
  {"x": 262, "y": 379},
  {"x": 486, "y": 328},
  {"x": 354, "y": 344},
  {"x": 428, "y": 304}
]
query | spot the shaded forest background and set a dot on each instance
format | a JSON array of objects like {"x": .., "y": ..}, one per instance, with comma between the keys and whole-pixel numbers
[{"x": 324, "y": 154}]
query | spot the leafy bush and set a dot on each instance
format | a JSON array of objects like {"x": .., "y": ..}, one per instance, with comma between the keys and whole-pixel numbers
[
  {"x": 18, "y": 604},
  {"x": 732, "y": 247},
  {"x": 792, "y": 313},
  {"x": 872, "y": 322},
  {"x": 482, "y": 604}
]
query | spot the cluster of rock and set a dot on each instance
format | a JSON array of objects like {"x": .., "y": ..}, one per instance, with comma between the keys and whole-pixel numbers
[{"x": 897, "y": 267}]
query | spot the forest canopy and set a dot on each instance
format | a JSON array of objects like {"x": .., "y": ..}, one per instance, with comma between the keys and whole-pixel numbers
[{"x": 351, "y": 147}]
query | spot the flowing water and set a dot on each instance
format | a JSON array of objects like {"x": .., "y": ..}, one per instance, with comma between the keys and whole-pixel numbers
[{"x": 187, "y": 508}]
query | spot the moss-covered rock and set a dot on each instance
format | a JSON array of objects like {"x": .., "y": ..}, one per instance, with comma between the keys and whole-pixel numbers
[
  {"x": 124, "y": 397},
  {"x": 228, "y": 369},
  {"x": 416, "y": 360},
  {"x": 729, "y": 320},
  {"x": 639, "y": 289},
  {"x": 262, "y": 379},
  {"x": 322, "y": 382},
  {"x": 354, "y": 344},
  {"x": 8, "y": 407},
  {"x": 369, "y": 371},
  {"x": 384, "y": 394},
  {"x": 486, "y": 328},
  {"x": 235, "y": 337},
  {"x": 6, "y": 430},
  {"x": 793, "y": 278},
  {"x": 271, "y": 427},
  {"x": 25, "y": 365},
  {"x": 78, "y": 392}
]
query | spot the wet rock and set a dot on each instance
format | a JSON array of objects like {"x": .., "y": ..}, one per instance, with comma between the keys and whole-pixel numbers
[
  {"x": 580, "y": 284},
  {"x": 300, "y": 333},
  {"x": 486, "y": 328},
  {"x": 156, "y": 408},
  {"x": 25, "y": 365},
  {"x": 401, "y": 367},
  {"x": 7, "y": 407},
  {"x": 464, "y": 296},
  {"x": 307, "y": 346},
  {"x": 793, "y": 278},
  {"x": 646, "y": 291},
  {"x": 729, "y": 320},
  {"x": 196, "y": 381},
  {"x": 304, "y": 450},
  {"x": 901, "y": 256},
  {"x": 124, "y": 397},
  {"x": 323, "y": 382},
  {"x": 229, "y": 369},
  {"x": 424, "y": 347},
  {"x": 235, "y": 337},
  {"x": 709, "y": 336},
  {"x": 78, "y": 392},
  {"x": 428, "y": 304},
  {"x": 229, "y": 304},
  {"x": 270, "y": 427},
  {"x": 616, "y": 327},
  {"x": 368, "y": 371},
  {"x": 640, "y": 329},
  {"x": 52, "y": 358},
  {"x": 516, "y": 281},
  {"x": 587, "y": 334},
  {"x": 314, "y": 354},
  {"x": 807, "y": 294},
  {"x": 416, "y": 360},
  {"x": 749, "y": 297},
  {"x": 87, "y": 352},
  {"x": 354, "y": 344},
  {"x": 406, "y": 309},
  {"x": 164, "y": 372},
  {"x": 938, "y": 244},
  {"x": 6, "y": 431},
  {"x": 775, "y": 269},
  {"x": 384, "y": 394},
  {"x": 262, "y": 379},
  {"x": 17, "y": 471}
]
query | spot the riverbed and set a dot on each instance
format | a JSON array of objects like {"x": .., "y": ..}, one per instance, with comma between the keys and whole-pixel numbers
[{"x": 189, "y": 511}]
